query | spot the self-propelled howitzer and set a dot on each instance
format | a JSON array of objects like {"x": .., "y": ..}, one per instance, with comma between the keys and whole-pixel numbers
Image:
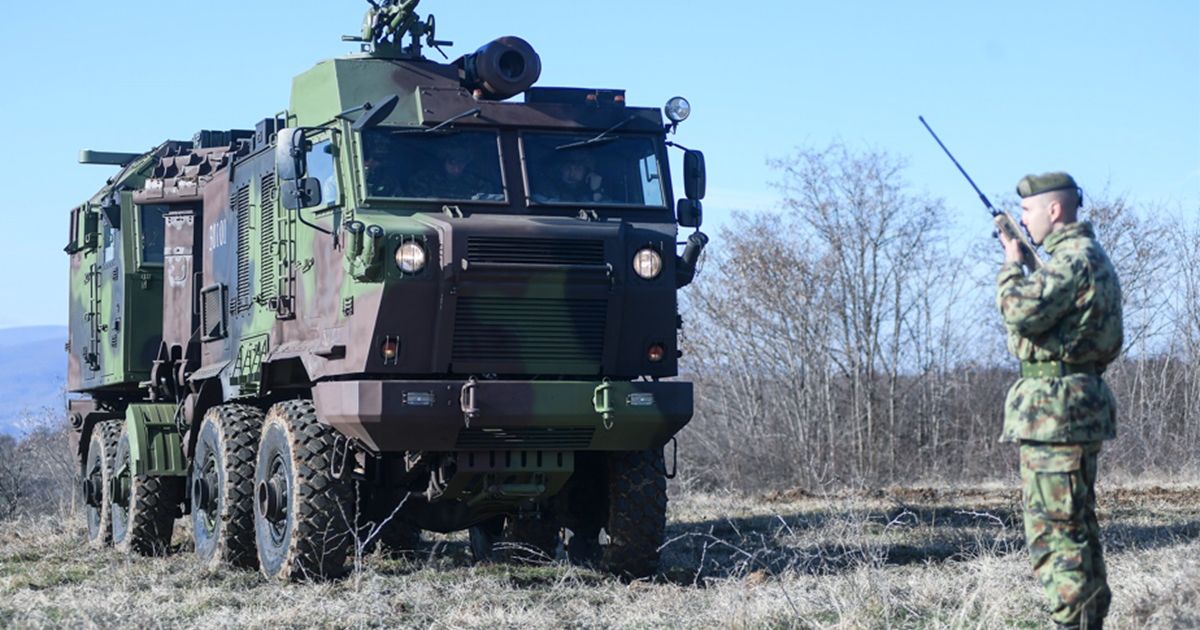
[{"x": 408, "y": 302}]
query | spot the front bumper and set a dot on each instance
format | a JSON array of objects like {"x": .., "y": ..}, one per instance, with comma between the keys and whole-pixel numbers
[{"x": 395, "y": 416}]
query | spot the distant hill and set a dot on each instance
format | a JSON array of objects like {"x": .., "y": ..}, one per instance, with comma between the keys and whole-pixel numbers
[{"x": 33, "y": 372}]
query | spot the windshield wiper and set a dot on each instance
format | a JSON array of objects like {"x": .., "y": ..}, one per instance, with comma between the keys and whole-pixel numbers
[
  {"x": 374, "y": 113},
  {"x": 600, "y": 137},
  {"x": 449, "y": 121}
]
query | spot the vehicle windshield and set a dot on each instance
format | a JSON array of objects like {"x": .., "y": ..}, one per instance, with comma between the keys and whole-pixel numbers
[
  {"x": 581, "y": 169},
  {"x": 453, "y": 166}
]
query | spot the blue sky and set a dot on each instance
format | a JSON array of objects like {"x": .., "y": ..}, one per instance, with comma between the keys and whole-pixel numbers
[{"x": 1109, "y": 91}]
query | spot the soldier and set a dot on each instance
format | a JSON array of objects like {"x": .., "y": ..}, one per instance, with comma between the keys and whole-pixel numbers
[
  {"x": 453, "y": 178},
  {"x": 577, "y": 181},
  {"x": 381, "y": 174},
  {"x": 1064, "y": 324}
]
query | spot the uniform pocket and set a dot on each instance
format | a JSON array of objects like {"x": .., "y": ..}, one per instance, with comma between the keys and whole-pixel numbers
[
  {"x": 1056, "y": 491},
  {"x": 1053, "y": 484}
]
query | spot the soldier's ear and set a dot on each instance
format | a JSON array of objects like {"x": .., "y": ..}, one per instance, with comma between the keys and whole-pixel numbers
[{"x": 1054, "y": 209}]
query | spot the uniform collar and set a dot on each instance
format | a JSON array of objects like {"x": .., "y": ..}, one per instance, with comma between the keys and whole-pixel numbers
[{"x": 1079, "y": 229}]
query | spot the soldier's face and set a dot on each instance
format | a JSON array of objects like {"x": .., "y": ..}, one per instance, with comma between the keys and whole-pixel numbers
[
  {"x": 1035, "y": 216},
  {"x": 455, "y": 166},
  {"x": 573, "y": 172}
]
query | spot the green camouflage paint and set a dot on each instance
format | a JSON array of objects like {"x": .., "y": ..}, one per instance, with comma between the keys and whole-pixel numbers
[
  {"x": 114, "y": 314},
  {"x": 154, "y": 448},
  {"x": 525, "y": 309}
]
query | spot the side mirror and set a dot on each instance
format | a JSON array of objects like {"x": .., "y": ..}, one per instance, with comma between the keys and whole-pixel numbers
[
  {"x": 693, "y": 175},
  {"x": 300, "y": 193},
  {"x": 289, "y": 154},
  {"x": 83, "y": 230},
  {"x": 689, "y": 213}
]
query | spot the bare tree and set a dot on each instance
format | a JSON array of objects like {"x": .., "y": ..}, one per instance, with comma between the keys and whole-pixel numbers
[
  {"x": 841, "y": 340},
  {"x": 37, "y": 470},
  {"x": 817, "y": 318},
  {"x": 12, "y": 478}
]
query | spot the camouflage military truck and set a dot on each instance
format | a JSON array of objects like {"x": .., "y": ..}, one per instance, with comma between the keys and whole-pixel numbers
[{"x": 411, "y": 301}]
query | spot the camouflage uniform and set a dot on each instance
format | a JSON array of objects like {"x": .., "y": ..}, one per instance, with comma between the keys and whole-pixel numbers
[
  {"x": 438, "y": 184},
  {"x": 1064, "y": 324}
]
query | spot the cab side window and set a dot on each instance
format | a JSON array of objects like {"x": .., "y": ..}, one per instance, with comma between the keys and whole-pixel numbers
[
  {"x": 152, "y": 226},
  {"x": 109, "y": 237},
  {"x": 321, "y": 166}
]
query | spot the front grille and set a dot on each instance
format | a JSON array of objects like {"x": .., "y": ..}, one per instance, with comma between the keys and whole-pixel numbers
[
  {"x": 534, "y": 251},
  {"x": 531, "y": 438},
  {"x": 529, "y": 335}
]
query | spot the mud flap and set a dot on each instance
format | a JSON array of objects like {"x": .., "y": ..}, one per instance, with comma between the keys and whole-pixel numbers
[{"x": 154, "y": 441}]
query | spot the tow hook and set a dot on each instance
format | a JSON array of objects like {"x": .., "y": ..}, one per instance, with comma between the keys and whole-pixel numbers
[
  {"x": 466, "y": 401},
  {"x": 602, "y": 403}
]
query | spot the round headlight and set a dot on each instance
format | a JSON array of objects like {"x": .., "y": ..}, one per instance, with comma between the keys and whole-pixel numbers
[
  {"x": 678, "y": 109},
  {"x": 647, "y": 263},
  {"x": 410, "y": 257}
]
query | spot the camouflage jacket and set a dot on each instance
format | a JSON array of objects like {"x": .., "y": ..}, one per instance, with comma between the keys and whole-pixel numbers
[{"x": 1069, "y": 310}]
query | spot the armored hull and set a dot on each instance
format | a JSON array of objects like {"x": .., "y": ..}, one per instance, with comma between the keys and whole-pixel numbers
[{"x": 403, "y": 295}]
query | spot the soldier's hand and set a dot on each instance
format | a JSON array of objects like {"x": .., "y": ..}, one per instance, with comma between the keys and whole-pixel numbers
[{"x": 1012, "y": 248}]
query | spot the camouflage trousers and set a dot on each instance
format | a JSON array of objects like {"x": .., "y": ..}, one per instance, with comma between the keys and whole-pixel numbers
[{"x": 1061, "y": 530}]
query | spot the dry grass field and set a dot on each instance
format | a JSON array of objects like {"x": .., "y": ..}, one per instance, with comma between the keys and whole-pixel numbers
[{"x": 904, "y": 558}]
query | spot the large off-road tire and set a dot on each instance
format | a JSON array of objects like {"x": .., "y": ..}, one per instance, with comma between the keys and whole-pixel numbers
[
  {"x": 386, "y": 527},
  {"x": 223, "y": 486},
  {"x": 587, "y": 508},
  {"x": 303, "y": 516},
  {"x": 482, "y": 539},
  {"x": 144, "y": 509},
  {"x": 637, "y": 512},
  {"x": 531, "y": 539},
  {"x": 399, "y": 537},
  {"x": 583, "y": 548},
  {"x": 95, "y": 474}
]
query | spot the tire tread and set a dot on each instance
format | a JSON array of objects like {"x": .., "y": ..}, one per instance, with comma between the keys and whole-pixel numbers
[{"x": 637, "y": 513}]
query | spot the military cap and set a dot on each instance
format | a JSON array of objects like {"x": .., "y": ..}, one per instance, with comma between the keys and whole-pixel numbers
[{"x": 1031, "y": 185}]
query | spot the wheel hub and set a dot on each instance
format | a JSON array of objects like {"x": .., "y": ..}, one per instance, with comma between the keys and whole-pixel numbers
[
  {"x": 120, "y": 488},
  {"x": 202, "y": 491},
  {"x": 270, "y": 499},
  {"x": 93, "y": 493}
]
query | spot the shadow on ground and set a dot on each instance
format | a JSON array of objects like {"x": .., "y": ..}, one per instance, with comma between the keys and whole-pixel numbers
[
  {"x": 833, "y": 541},
  {"x": 835, "y": 536}
]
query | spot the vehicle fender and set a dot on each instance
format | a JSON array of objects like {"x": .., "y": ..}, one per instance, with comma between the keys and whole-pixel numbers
[{"x": 154, "y": 440}]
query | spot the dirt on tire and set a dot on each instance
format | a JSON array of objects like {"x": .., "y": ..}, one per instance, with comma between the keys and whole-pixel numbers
[
  {"x": 636, "y": 513},
  {"x": 153, "y": 505},
  {"x": 317, "y": 532},
  {"x": 104, "y": 438},
  {"x": 236, "y": 429}
]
